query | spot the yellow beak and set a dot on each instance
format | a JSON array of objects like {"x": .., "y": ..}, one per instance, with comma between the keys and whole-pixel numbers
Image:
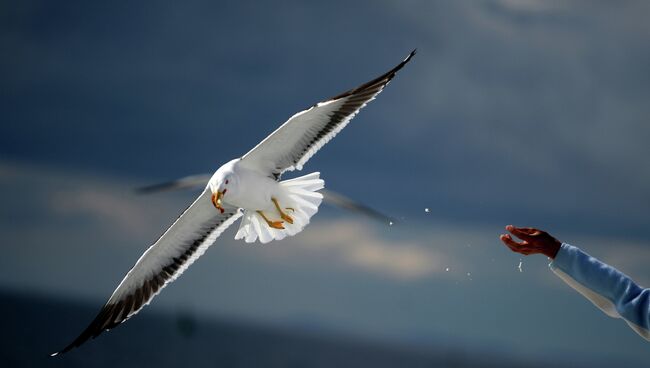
[{"x": 216, "y": 200}]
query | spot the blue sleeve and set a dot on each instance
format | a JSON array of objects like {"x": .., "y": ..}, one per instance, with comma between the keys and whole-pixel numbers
[{"x": 608, "y": 288}]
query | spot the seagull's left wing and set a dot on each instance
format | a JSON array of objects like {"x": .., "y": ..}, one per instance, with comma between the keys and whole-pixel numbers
[
  {"x": 185, "y": 241},
  {"x": 295, "y": 141}
]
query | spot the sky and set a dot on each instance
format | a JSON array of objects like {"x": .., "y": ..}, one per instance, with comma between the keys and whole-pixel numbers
[{"x": 528, "y": 112}]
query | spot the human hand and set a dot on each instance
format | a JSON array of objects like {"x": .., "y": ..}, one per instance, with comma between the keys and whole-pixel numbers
[{"x": 534, "y": 241}]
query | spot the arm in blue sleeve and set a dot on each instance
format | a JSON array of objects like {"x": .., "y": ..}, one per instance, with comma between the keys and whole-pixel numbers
[{"x": 608, "y": 288}]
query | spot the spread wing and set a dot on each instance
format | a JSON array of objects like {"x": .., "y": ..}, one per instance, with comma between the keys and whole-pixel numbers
[
  {"x": 185, "y": 241},
  {"x": 294, "y": 142}
]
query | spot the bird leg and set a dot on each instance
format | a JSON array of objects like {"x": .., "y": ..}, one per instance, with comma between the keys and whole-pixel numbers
[
  {"x": 284, "y": 216},
  {"x": 273, "y": 224}
]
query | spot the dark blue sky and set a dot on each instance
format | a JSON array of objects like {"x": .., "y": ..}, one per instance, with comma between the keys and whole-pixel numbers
[
  {"x": 551, "y": 94},
  {"x": 532, "y": 112}
]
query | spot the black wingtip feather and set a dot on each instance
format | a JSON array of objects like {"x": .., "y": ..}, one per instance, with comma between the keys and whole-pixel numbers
[
  {"x": 114, "y": 313},
  {"x": 381, "y": 80},
  {"x": 89, "y": 333}
]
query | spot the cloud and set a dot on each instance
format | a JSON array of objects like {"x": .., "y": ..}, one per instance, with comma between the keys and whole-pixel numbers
[
  {"x": 105, "y": 206},
  {"x": 345, "y": 274},
  {"x": 531, "y": 5},
  {"x": 41, "y": 195},
  {"x": 108, "y": 205},
  {"x": 358, "y": 246}
]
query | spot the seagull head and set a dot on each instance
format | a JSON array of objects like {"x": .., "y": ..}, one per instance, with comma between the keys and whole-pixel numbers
[{"x": 222, "y": 182}]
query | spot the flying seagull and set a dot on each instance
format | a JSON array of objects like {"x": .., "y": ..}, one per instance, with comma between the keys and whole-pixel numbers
[
  {"x": 331, "y": 197},
  {"x": 247, "y": 187}
]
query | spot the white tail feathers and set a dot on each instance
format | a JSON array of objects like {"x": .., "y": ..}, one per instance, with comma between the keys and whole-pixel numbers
[{"x": 300, "y": 199}]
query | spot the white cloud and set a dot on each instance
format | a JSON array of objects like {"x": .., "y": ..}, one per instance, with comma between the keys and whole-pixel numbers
[
  {"x": 106, "y": 204},
  {"x": 355, "y": 245},
  {"x": 103, "y": 205},
  {"x": 528, "y": 5}
]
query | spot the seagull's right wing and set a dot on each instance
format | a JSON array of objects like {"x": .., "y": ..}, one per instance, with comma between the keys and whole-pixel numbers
[
  {"x": 291, "y": 145},
  {"x": 185, "y": 241}
]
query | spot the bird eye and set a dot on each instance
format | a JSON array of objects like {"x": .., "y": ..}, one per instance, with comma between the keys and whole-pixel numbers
[{"x": 226, "y": 181}]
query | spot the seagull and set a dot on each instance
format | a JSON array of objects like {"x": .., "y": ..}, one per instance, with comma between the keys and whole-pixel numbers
[
  {"x": 249, "y": 188},
  {"x": 199, "y": 181}
]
